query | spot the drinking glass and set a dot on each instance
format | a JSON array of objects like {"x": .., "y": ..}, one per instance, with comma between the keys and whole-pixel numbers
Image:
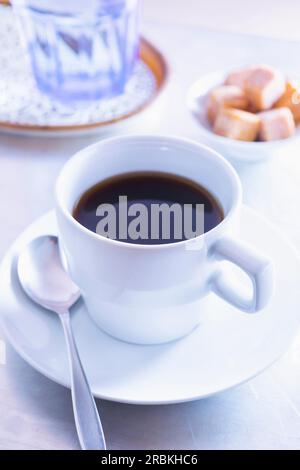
[{"x": 80, "y": 49}]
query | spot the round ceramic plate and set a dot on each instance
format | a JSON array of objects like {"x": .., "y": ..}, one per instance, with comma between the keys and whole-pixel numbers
[
  {"x": 227, "y": 349},
  {"x": 25, "y": 110}
]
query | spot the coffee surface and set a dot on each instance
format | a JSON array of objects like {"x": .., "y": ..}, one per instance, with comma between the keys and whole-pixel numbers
[{"x": 148, "y": 208}]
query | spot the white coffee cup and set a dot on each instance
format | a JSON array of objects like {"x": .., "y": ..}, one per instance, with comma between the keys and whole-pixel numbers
[{"x": 157, "y": 293}]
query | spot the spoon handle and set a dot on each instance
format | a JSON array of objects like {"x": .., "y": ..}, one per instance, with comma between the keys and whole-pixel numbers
[{"x": 86, "y": 415}]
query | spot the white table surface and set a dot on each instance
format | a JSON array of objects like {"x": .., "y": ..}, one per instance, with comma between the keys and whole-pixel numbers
[
  {"x": 264, "y": 413},
  {"x": 274, "y": 18}
]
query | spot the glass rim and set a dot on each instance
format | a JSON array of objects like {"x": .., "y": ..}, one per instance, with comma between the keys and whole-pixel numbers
[{"x": 67, "y": 10}]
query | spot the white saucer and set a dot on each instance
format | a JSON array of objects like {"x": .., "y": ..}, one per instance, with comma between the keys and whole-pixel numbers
[{"x": 228, "y": 349}]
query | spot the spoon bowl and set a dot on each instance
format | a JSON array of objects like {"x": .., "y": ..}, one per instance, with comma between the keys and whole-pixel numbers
[{"x": 54, "y": 289}]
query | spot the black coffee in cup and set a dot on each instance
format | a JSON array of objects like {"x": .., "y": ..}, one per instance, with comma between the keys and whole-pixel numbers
[{"x": 148, "y": 208}]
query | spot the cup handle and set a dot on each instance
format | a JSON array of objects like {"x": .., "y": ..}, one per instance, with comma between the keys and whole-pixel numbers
[{"x": 255, "y": 265}]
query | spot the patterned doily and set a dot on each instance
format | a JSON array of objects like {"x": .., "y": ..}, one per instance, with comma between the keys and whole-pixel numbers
[{"x": 23, "y": 104}]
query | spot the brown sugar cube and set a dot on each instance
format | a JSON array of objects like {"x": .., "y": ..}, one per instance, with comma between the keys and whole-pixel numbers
[
  {"x": 291, "y": 99},
  {"x": 276, "y": 124},
  {"x": 238, "y": 77},
  {"x": 264, "y": 86},
  {"x": 225, "y": 96},
  {"x": 237, "y": 124}
]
